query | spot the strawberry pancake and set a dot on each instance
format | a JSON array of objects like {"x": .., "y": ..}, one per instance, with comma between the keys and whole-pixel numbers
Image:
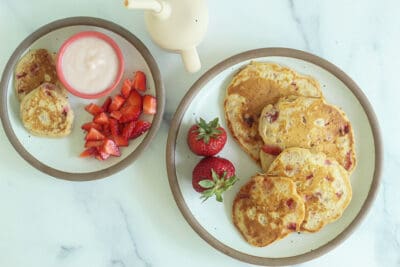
[
  {"x": 34, "y": 68},
  {"x": 46, "y": 112},
  {"x": 267, "y": 209},
  {"x": 306, "y": 122},
  {"x": 254, "y": 87},
  {"x": 321, "y": 181}
]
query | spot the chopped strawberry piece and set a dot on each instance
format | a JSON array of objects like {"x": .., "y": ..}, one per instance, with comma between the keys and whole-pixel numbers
[
  {"x": 149, "y": 104},
  {"x": 309, "y": 176},
  {"x": 93, "y": 109},
  {"x": 290, "y": 203},
  {"x": 101, "y": 118},
  {"x": 292, "y": 226},
  {"x": 88, "y": 152},
  {"x": 116, "y": 114},
  {"x": 114, "y": 129},
  {"x": 121, "y": 127},
  {"x": 94, "y": 135},
  {"x": 106, "y": 130},
  {"x": 344, "y": 130},
  {"x": 272, "y": 150},
  {"x": 128, "y": 129},
  {"x": 110, "y": 147},
  {"x": 116, "y": 103},
  {"x": 348, "y": 161},
  {"x": 120, "y": 140},
  {"x": 140, "y": 128},
  {"x": 101, "y": 155},
  {"x": 139, "y": 81},
  {"x": 272, "y": 116},
  {"x": 126, "y": 88},
  {"x": 134, "y": 99},
  {"x": 130, "y": 113},
  {"x": 89, "y": 144},
  {"x": 106, "y": 104},
  {"x": 89, "y": 125}
]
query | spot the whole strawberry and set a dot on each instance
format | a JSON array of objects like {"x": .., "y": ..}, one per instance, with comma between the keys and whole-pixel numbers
[
  {"x": 206, "y": 139},
  {"x": 213, "y": 176}
]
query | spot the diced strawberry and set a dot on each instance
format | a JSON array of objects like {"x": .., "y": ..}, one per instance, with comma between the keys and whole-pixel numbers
[
  {"x": 120, "y": 140},
  {"x": 140, "y": 128},
  {"x": 101, "y": 118},
  {"x": 126, "y": 88},
  {"x": 134, "y": 99},
  {"x": 106, "y": 104},
  {"x": 272, "y": 150},
  {"x": 121, "y": 126},
  {"x": 106, "y": 130},
  {"x": 348, "y": 161},
  {"x": 116, "y": 103},
  {"x": 88, "y": 152},
  {"x": 89, "y": 144},
  {"x": 101, "y": 155},
  {"x": 130, "y": 113},
  {"x": 149, "y": 104},
  {"x": 292, "y": 226},
  {"x": 139, "y": 81},
  {"x": 89, "y": 125},
  {"x": 94, "y": 135},
  {"x": 93, "y": 109},
  {"x": 128, "y": 130},
  {"x": 113, "y": 124},
  {"x": 290, "y": 203},
  {"x": 272, "y": 116},
  {"x": 116, "y": 114},
  {"x": 110, "y": 147}
]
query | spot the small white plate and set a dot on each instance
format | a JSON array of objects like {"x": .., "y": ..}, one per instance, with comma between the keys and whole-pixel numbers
[
  {"x": 212, "y": 220},
  {"x": 59, "y": 157}
]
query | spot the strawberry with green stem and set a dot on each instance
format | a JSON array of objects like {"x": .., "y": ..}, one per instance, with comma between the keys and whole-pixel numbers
[
  {"x": 213, "y": 176},
  {"x": 206, "y": 138}
]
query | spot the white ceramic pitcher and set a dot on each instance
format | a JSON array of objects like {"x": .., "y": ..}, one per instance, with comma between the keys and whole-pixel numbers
[{"x": 176, "y": 25}]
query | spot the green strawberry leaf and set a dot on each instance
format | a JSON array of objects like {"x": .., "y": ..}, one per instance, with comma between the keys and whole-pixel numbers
[
  {"x": 218, "y": 186},
  {"x": 208, "y": 130},
  {"x": 206, "y": 183},
  {"x": 215, "y": 176},
  {"x": 218, "y": 196}
]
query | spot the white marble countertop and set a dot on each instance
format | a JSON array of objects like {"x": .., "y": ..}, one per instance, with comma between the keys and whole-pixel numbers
[{"x": 131, "y": 219}]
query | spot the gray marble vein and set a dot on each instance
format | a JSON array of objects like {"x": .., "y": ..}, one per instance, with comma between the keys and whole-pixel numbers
[
  {"x": 299, "y": 25},
  {"x": 66, "y": 251},
  {"x": 131, "y": 237}
]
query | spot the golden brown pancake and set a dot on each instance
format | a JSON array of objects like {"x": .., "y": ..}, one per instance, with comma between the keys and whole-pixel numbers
[
  {"x": 305, "y": 122},
  {"x": 45, "y": 111},
  {"x": 254, "y": 87},
  {"x": 33, "y": 69},
  {"x": 267, "y": 209},
  {"x": 321, "y": 181}
]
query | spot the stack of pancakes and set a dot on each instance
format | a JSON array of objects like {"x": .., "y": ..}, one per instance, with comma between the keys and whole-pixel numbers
[
  {"x": 281, "y": 119},
  {"x": 44, "y": 108}
]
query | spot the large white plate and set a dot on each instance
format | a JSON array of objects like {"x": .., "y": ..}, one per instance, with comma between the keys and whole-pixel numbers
[
  {"x": 212, "y": 220},
  {"x": 59, "y": 157}
]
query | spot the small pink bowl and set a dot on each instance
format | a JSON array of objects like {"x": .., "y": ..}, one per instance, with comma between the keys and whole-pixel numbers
[{"x": 86, "y": 34}]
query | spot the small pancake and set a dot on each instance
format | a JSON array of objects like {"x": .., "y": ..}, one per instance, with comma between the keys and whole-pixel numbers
[
  {"x": 306, "y": 122},
  {"x": 254, "y": 87},
  {"x": 321, "y": 181},
  {"x": 46, "y": 112},
  {"x": 267, "y": 209},
  {"x": 33, "y": 69}
]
